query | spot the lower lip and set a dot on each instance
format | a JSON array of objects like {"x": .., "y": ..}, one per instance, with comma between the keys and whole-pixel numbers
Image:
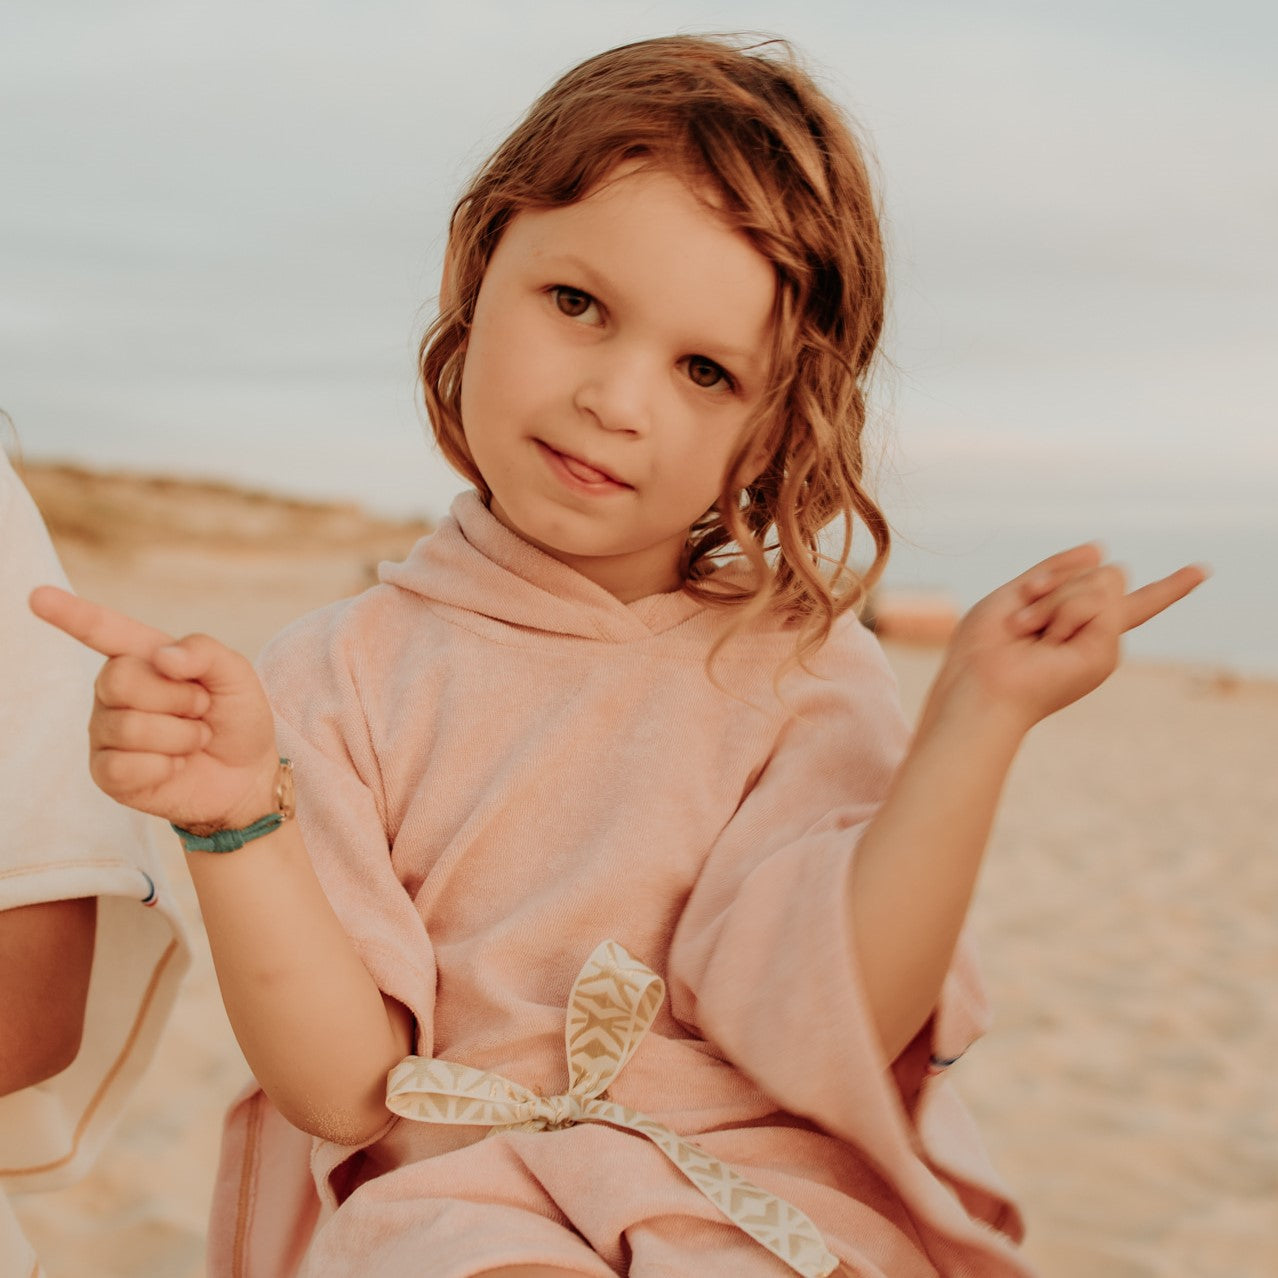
[{"x": 595, "y": 487}]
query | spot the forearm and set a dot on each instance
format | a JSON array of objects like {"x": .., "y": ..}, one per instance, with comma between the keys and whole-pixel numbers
[
  {"x": 917, "y": 864},
  {"x": 1029, "y": 648},
  {"x": 315, "y": 1029}
]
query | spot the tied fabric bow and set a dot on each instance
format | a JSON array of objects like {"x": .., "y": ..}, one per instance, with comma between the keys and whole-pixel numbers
[{"x": 614, "y": 1002}]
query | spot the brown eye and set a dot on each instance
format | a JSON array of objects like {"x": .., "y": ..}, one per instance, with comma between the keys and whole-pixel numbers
[
  {"x": 572, "y": 301},
  {"x": 706, "y": 373}
]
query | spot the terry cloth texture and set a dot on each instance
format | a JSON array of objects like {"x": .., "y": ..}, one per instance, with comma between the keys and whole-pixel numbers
[
  {"x": 498, "y": 766},
  {"x": 64, "y": 839}
]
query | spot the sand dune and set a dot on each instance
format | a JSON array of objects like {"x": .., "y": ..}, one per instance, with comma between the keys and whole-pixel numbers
[{"x": 1126, "y": 916}]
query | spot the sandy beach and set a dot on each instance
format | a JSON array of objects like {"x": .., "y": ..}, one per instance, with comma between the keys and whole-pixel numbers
[{"x": 1126, "y": 918}]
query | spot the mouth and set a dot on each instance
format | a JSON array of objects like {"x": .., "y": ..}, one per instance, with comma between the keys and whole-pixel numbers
[{"x": 588, "y": 474}]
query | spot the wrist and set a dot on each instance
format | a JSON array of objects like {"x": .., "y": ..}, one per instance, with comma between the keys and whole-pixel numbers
[
  {"x": 267, "y": 805},
  {"x": 963, "y": 705}
]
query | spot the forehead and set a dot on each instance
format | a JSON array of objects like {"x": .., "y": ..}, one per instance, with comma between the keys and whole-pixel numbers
[{"x": 648, "y": 242}]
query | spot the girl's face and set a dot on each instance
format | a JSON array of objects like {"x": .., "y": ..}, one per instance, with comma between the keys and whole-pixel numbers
[{"x": 617, "y": 349}]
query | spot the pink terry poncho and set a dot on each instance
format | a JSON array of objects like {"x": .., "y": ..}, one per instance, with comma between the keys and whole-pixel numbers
[{"x": 500, "y": 766}]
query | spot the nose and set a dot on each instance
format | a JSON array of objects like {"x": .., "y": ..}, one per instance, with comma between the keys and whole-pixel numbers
[{"x": 617, "y": 388}]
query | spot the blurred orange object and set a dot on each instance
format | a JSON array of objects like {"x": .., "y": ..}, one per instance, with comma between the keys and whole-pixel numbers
[{"x": 920, "y": 617}]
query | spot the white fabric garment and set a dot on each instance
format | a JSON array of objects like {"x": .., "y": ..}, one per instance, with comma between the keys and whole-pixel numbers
[{"x": 63, "y": 839}]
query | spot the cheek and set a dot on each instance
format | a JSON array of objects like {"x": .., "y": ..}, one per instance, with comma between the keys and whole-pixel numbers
[
  {"x": 709, "y": 450},
  {"x": 695, "y": 477},
  {"x": 485, "y": 373},
  {"x": 502, "y": 357}
]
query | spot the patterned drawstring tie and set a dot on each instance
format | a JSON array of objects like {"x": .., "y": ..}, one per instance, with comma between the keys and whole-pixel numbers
[{"x": 614, "y": 1002}]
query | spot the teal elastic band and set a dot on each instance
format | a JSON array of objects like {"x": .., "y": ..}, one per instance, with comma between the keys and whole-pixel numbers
[{"x": 229, "y": 840}]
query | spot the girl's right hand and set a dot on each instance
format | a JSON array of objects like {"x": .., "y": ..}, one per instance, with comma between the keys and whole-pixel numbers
[{"x": 180, "y": 728}]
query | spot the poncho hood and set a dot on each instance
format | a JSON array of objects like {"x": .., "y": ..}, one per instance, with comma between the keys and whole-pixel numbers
[{"x": 474, "y": 562}]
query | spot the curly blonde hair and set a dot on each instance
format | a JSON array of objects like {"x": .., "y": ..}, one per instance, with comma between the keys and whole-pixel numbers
[{"x": 781, "y": 164}]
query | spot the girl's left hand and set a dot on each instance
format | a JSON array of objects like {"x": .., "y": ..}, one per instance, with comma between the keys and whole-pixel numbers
[{"x": 1051, "y": 635}]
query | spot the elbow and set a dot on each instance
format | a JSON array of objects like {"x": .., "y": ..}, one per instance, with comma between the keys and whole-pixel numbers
[
  {"x": 355, "y": 1137},
  {"x": 354, "y": 1131},
  {"x": 339, "y": 1124},
  {"x": 898, "y": 1024}
]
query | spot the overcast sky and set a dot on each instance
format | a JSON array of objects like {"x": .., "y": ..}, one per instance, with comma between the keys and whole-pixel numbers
[{"x": 221, "y": 226}]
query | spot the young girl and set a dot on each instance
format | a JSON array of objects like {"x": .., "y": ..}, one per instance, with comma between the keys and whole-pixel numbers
[{"x": 618, "y": 929}]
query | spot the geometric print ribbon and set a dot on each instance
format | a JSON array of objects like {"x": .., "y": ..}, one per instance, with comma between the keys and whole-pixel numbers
[{"x": 614, "y": 1001}]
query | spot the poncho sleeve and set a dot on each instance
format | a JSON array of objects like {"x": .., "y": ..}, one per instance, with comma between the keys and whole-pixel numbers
[{"x": 764, "y": 961}]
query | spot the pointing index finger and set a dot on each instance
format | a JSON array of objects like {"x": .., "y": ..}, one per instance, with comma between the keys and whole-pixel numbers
[
  {"x": 102, "y": 629},
  {"x": 1149, "y": 601}
]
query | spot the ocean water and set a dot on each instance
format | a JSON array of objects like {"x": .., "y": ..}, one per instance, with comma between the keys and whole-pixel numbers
[{"x": 1230, "y": 623}]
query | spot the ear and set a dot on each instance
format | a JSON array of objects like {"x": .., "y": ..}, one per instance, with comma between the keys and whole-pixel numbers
[{"x": 756, "y": 460}]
